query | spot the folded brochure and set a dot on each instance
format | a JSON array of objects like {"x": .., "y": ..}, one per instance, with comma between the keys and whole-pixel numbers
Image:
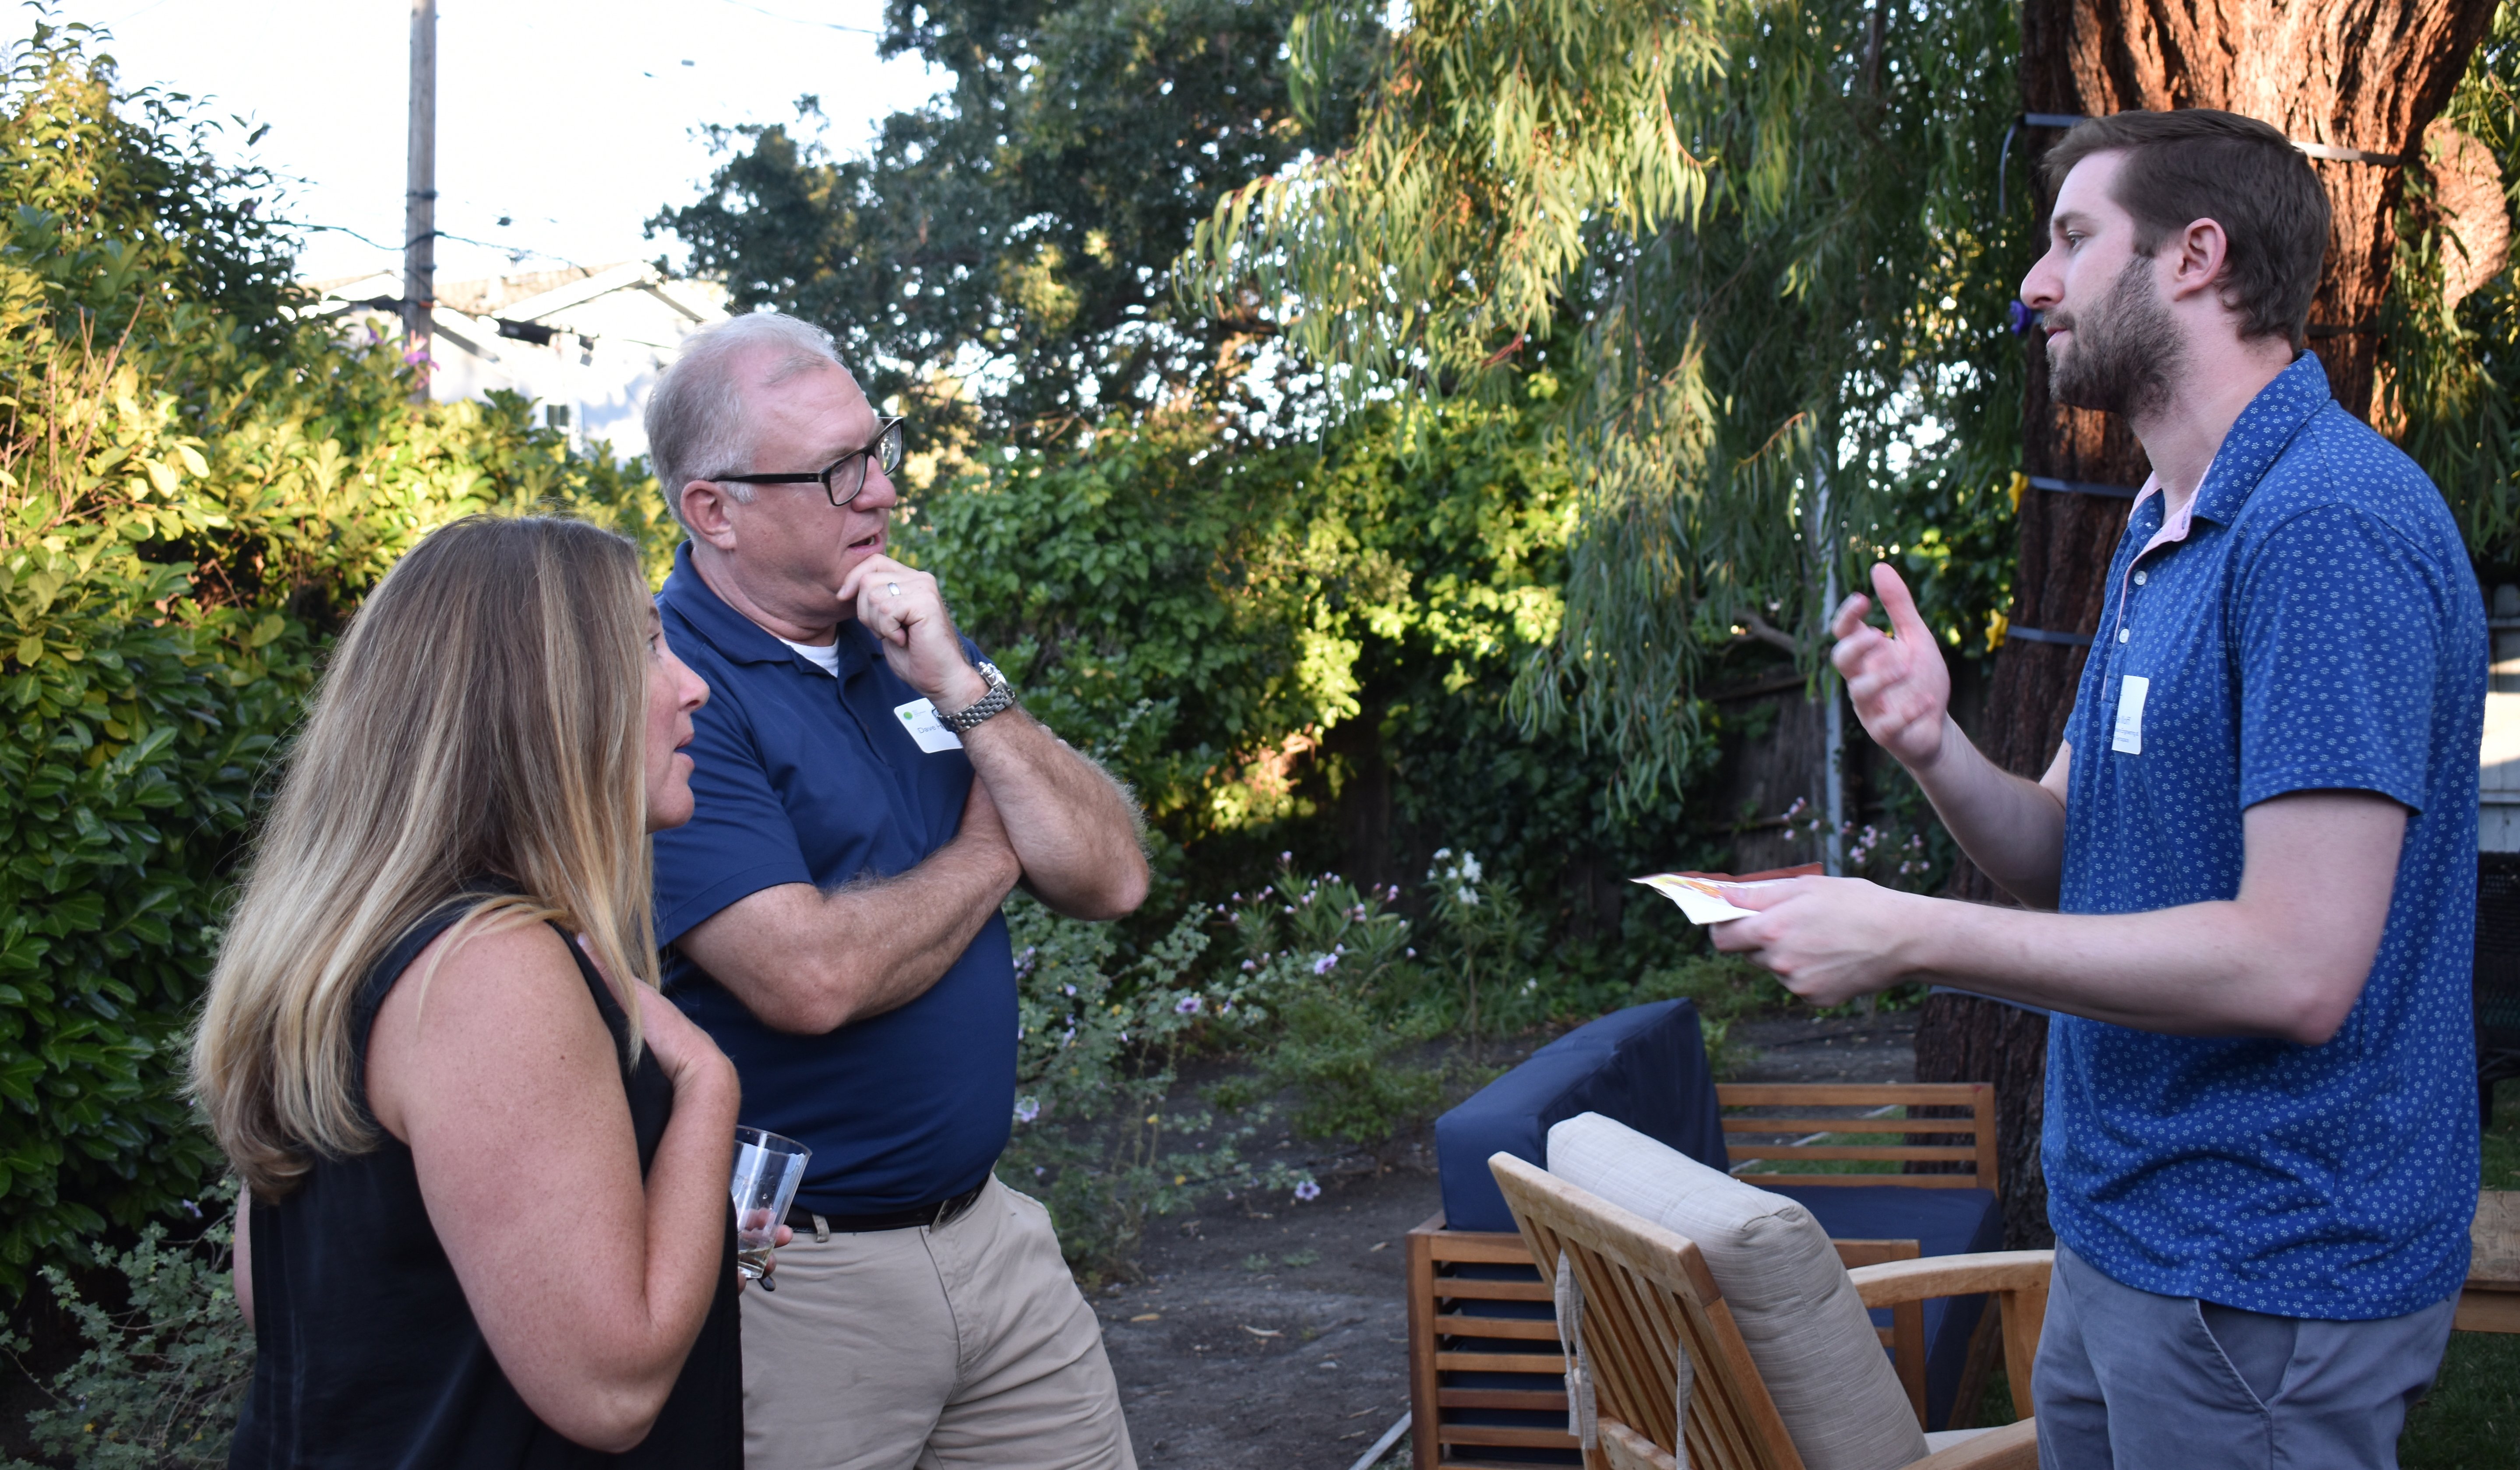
[{"x": 1700, "y": 895}]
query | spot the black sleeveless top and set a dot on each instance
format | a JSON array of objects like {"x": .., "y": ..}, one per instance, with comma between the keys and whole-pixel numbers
[{"x": 367, "y": 1355}]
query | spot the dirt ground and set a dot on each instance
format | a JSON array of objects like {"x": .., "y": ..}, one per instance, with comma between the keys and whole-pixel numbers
[{"x": 1270, "y": 1335}]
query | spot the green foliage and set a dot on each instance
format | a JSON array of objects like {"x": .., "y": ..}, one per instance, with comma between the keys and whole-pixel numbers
[
  {"x": 1750, "y": 252},
  {"x": 1493, "y": 935},
  {"x": 1137, "y": 594},
  {"x": 1337, "y": 965},
  {"x": 2453, "y": 364},
  {"x": 161, "y": 1380},
  {"x": 1102, "y": 1045},
  {"x": 1016, "y": 234},
  {"x": 194, "y": 491},
  {"x": 1254, "y": 638}
]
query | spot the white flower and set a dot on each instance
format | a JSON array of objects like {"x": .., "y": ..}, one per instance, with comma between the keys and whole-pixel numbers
[
  {"x": 1027, "y": 1109},
  {"x": 1467, "y": 898},
  {"x": 1530, "y": 985},
  {"x": 1470, "y": 867},
  {"x": 1249, "y": 965},
  {"x": 1442, "y": 853}
]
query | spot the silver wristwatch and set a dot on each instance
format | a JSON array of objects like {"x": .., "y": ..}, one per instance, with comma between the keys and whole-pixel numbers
[{"x": 1000, "y": 696}]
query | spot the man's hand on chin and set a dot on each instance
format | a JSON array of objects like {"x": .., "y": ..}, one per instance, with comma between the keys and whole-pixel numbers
[
  {"x": 1829, "y": 940},
  {"x": 906, "y": 612}
]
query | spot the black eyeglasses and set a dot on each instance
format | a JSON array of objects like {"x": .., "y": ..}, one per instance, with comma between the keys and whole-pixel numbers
[{"x": 845, "y": 477}]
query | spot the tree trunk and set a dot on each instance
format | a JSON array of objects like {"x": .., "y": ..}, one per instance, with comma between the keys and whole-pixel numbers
[{"x": 2363, "y": 74}]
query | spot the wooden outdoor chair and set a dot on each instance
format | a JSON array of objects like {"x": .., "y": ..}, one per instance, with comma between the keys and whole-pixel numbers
[
  {"x": 1663, "y": 1355},
  {"x": 1484, "y": 1361}
]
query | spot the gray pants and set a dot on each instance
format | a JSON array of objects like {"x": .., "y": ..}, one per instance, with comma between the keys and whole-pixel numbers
[{"x": 2126, "y": 1380}]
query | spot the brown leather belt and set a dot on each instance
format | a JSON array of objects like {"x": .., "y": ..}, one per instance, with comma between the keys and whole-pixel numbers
[{"x": 936, "y": 1216}]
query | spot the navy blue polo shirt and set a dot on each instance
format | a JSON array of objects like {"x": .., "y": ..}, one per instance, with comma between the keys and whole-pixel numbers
[
  {"x": 800, "y": 778},
  {"x": 2311, "y": 624}
]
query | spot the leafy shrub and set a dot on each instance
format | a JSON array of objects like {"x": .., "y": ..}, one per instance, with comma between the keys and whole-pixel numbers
[
  {"x": 193, "y": 489},
  {"x": 160, "y": 1382},
  {"x": 1101, "y": 1049},
  {"x": 1339, "y": 969}
]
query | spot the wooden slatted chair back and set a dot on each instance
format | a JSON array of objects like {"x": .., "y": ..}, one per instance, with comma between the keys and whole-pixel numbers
[
  {"x": 1648, "y": 1298},
  {"x": 1949, "y": 1126}
]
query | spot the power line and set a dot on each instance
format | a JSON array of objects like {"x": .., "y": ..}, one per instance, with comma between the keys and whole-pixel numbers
[{"x": 799, "y": 20}]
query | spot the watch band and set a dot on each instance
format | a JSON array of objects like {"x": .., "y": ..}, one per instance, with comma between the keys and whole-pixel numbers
[{"x": 999, "y": 698}]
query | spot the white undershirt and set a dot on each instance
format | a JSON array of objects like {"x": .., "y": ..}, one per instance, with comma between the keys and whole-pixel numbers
[{"x": 824, "y": 656}]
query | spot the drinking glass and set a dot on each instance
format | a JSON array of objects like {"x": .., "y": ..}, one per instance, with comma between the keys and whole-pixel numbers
[{"x": 767, "y": 1170}]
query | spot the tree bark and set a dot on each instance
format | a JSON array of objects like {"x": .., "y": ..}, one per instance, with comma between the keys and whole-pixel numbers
[{"x": 2365, "y": 74}]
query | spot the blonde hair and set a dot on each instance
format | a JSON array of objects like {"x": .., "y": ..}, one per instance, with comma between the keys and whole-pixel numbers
[{"x": 481, "y": 717}]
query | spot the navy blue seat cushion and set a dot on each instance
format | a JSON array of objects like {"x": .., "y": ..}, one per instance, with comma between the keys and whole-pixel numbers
[
  {"x": 1942, "y": 1222},
  {"x": 1644, "y": 1066}
]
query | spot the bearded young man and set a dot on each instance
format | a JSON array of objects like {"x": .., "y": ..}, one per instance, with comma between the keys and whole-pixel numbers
[{"x": 2258, "y": 835}]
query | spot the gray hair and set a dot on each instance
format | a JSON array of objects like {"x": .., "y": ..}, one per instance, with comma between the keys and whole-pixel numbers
[{"x": 695, "y": 420}]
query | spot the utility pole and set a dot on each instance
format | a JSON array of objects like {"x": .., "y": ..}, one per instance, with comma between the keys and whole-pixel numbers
[{"x": 420, "y": 198}]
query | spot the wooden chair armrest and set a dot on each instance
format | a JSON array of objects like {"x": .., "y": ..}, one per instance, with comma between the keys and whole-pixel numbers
[
  {"x": 1893, "y": 1282},
  {"x": 2014, "y": 1446}
]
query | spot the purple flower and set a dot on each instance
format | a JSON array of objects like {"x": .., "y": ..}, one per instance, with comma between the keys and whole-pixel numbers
[
  {"x": 1187, "y": 1005},
  {"x": 1249, "y": 965},
  {"x": 1306, "y": 1189},
  {"x": 1027, "y": 1109},
  {"x": 1325, "y": 964}
]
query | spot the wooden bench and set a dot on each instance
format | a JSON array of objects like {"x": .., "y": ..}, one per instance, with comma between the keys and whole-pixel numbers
[
  {"x": 2492, "y": 1301},
  {"x": 1478, "y": 1307}
]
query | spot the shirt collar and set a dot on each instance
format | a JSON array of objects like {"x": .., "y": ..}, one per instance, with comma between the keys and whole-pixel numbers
[
  {"x": 2265, "y": 430},
  {"x": 736, "y": 638}
]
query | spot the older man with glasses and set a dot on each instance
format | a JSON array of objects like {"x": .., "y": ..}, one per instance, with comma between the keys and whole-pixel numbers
[{"x": 868, "y": 791}]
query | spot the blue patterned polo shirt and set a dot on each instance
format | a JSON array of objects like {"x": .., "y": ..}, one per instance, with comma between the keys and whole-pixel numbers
[{"x": 2316, "y": 627}]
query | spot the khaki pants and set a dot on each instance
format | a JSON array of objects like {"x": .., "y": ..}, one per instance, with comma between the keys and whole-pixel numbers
[{"x": 968, "y": 1345}]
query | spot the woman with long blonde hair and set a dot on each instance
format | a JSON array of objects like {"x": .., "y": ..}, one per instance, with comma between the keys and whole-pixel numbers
[{"x": 487, "y": 1221}]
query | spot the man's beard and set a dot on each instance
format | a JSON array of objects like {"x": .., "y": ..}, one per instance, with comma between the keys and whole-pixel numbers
[{"x": 2125, "y": 353}]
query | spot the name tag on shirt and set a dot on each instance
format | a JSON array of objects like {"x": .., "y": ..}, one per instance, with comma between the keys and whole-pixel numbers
[
  {"x": 2129, "y": 739},
  {"x": 918, "y": 717}
]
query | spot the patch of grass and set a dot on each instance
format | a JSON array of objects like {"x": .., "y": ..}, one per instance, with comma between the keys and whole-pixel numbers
[
  {"x": 1257, "y": 1261},
  {"x": 2502, "y": 1140},
  {"x": 2471, "y": 1420},
  {"x": 1994, "y": 1407},
  {"x": 1301, "y": 1257},
  {"x": 1831, "y": 1166}
]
